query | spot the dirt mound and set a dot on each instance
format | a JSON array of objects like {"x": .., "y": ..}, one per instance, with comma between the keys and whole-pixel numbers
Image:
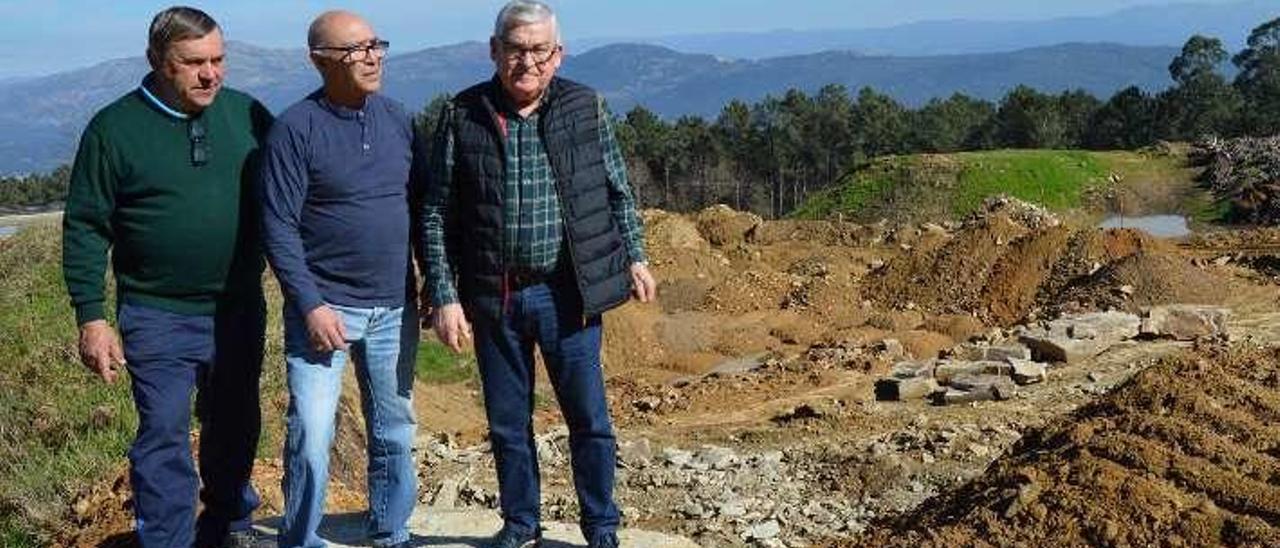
[
  {"x": 1142, "y": 280},
  {"x": 1185, "y": 454},
  {"x": 723, "y": 226},
  {"x": 1012, "y": 260}
]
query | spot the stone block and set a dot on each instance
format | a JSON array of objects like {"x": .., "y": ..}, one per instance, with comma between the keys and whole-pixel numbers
[
  {"x": 1185, "y": 322},
  {"x": 896, "y": 389},
  {"x": 1047, "y": 347},
  {"x": 946, "y": 370},
  {"x": 1029, "y": 372}
]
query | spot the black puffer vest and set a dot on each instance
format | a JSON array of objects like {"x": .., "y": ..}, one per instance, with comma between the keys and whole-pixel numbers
[{"x": 569, "y": 126}]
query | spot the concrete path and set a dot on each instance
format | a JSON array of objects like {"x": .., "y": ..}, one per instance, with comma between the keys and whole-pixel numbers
[{"x": 449, "y": 528}]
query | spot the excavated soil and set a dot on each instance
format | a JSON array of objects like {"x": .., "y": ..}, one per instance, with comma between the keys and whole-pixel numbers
[
  {"x": 1185, "y": 454},
  {"x": 1006, "y": 266},
  {"x": 768, "y": 336}
]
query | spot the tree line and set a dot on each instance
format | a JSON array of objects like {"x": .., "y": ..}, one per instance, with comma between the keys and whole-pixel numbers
[
  {"x": 768, "y": 156},
  {"x": 36, "y": 190}
]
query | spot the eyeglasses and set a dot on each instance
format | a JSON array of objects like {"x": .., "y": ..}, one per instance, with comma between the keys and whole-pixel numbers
[
  {"x": 538, "y": 55},
  {"x": 356, "y": 53},
  {"x": 199, "y": 142}
]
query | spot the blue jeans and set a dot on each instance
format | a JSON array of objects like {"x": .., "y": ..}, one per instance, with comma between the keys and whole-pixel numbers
[
  {"x": 169, "y": 355},
  {"x": 383, "y": 343},
  {"x": 550, "y": 316}
]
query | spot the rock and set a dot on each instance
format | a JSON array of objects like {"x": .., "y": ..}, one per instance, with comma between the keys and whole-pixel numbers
[
  {"x": 694, "y": 510},
  {"x": 732, "y": 509},
  {"x": 1056, "y": 348},
  {"x": 956, "y": 397},
  {"x": 1022, "y": 497},
  {"x": 1073, "y": 338},
  {"x": 998, "y": 385},
  {"x": 717, "y": 458},
  {"x": 763, "y": 531},
  {"x": 770, "y": 458},
  {"x": 946, "y": 370},
  {"x": 982, "y": 352},
  {"x": 635, "y": 454},
  {"x": 914, "y": 388},
  {"x": 933, "y": 229},
  {"x": 973, "y": 388},
  {"x": 1185, "y": 322},
  {"x": 446, "y": 496},
  {"x": 1029, "y": 372},
  {"x": 912, "y": 369},
  {"x": 1007, "y": 352},
  {"x": 647, "y": 404},
  {"x": 678, "y": 458},
  {"x": 892, "y": 348}
]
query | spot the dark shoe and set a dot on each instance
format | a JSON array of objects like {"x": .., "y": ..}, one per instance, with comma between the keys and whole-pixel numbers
[
  {"x": 247, "y": 538},
  {"x": 605, "y": 540},
  {"x": 511, "y": 538}
]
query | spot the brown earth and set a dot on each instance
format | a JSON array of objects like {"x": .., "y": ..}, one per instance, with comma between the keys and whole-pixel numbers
[
  {"x": 810, "y": 303},
  {"x": 1185, "y": 454}
]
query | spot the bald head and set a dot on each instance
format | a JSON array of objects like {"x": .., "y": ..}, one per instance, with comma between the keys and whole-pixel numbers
[
  {"x": 348, "y": 56},
  {"x": 337, "y": 28}
]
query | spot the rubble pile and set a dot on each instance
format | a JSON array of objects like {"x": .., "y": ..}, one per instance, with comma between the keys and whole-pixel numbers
[
  {"x": 1245, "y": 172},
  {"x": 973, "y": 372}
]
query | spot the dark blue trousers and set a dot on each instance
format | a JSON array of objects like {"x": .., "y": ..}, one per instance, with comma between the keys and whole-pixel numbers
[
  {"x": 550, "y": 316},
  {"x": 169, "y": 356}
]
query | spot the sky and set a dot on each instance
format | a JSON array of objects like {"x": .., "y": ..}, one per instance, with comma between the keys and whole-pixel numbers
[{"x": 45, "y": 36}]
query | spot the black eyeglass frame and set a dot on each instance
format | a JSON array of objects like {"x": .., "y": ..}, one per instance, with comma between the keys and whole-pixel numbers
[
  {"x": 375, "y": 48},
  {"x": 516, "y": 53}
]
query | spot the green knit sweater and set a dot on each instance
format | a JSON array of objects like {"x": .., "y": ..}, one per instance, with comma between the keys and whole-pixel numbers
[{"x": 182, "y": 236}]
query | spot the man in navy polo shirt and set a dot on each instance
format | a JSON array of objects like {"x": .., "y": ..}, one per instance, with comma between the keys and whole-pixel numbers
[{"x": 336, "y": 187}]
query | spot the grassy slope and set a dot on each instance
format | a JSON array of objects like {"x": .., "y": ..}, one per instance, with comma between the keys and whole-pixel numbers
[
  {"x": 61, "y": 430},
  {"x": 936, "y": 186}
]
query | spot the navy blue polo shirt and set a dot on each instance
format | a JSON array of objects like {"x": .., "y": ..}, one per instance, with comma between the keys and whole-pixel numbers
[{"x": 335, "y": 188}]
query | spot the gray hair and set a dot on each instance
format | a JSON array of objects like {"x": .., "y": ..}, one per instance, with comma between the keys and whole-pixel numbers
[
  {"x": 524, "y": 12},
  {"x": 176, "y": 24}
]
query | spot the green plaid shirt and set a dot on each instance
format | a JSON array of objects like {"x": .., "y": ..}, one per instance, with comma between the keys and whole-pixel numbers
[{"x": 533, "y": 230}]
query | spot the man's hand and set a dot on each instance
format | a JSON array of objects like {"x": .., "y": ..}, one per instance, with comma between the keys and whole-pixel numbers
[
  {"x": 100, "y": 349},
  {"x": 452, "y": 326},
  {"x": 325, "y": 330},
  {"x": 643, "y": 288}
]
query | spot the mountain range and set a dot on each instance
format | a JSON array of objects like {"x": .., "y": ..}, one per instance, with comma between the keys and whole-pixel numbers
[
  {"x": 43, "y": 116},
  {"x": 1154, "y": 25}
]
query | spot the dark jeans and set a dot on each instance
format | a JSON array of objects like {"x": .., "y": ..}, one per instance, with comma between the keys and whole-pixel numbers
[
  {"x": 549, "y": 315},
  {"x": 168, "y": 356}
]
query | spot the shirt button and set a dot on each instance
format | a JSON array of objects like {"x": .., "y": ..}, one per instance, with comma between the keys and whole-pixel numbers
[{"x": 366, "y": 146}]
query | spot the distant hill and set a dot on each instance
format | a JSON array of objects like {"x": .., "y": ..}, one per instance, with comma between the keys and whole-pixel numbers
[
  {"x": 674, "y": 83},
  {"x": 1166, "y": 25},
  {"x": 44, "y": 116}
]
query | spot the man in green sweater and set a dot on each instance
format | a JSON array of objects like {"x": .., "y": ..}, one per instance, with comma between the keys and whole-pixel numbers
[{"x": 162, "y": 181}]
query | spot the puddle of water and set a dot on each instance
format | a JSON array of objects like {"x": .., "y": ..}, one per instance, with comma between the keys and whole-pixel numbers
[
  {"x": 8, "y": 231},
  {"x": 1163, "y": 226}
]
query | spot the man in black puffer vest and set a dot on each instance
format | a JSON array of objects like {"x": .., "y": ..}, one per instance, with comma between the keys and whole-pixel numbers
[{"x": 530, "y": 231}]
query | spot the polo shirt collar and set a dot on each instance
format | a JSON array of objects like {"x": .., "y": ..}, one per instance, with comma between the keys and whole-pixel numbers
[{"x": 155, "y": 100}]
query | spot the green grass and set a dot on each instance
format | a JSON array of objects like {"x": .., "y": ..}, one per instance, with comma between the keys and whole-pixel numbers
[
  {"x": 439, "y": 365},
  {"x": 939, "y": 186},
  {"x": 1054, "y": 179},
  {"x": 60, "y": 428}
]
